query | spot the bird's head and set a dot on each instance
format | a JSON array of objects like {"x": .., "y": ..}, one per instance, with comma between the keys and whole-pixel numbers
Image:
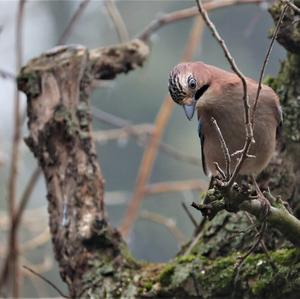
[{"x": 187, "y": 84}]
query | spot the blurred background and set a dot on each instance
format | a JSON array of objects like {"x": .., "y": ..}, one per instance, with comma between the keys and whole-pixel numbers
[{"x": 162, "y": 226}]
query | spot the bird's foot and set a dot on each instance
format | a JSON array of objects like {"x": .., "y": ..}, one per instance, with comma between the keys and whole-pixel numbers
[{"x": 266, "y": 205}]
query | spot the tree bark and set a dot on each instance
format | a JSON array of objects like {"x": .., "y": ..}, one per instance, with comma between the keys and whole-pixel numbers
[{"x": 94, "y": 261}]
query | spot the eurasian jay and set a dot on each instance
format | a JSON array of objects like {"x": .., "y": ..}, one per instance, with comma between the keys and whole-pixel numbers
[{"x": 217, "y": 93}]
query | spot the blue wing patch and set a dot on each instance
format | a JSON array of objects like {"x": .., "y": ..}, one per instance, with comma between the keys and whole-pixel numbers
[{"x": 201, "y": 136}]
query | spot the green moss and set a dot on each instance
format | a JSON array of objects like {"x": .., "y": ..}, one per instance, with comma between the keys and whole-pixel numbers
[
  {"x": 30, "y": 83},
  {"x": 186, "y": 258},
  {"x": 165, "y": 276},
  {"x": 148, "y": 285},
  {"x": 130, "y": 260},
  {"x": 219, "y": 275}
]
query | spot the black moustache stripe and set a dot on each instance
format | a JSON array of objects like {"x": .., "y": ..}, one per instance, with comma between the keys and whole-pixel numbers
[{"x": 201, "y": 91}]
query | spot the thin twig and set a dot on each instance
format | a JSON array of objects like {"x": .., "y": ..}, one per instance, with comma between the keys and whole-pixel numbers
[
  {"x": 183, "y": 14},
  {"x": 224, "y": 148},
  {"x": 26, "y": 195},
  {"x": 234, "y": 67},
  {"x": 114, "y": 120},
  {"x": 220, "y": 170},
  {"x": 7, "y": 75},
  {"x": 262, "y": 72},
  {"x": 65, "y": 35},
  {"x": 175, "y": 186},
  {"x": 169, "y": 223},
  {"x": 190, "y": 215},
  {"x": 16, "y": 220},
  {"x": 150, "y": 153},
  {"x": 193, "y": 243},
  {"x": 117, "y": 20},
  {"x": 242, "y": 259},
  {"x": 292, "y": 5},
  {"x": 47, "y": 281},
  {"x": 262, "y": 242},
  {"x": 140, "y": 131},
  {"x": 13, "y": 173}
]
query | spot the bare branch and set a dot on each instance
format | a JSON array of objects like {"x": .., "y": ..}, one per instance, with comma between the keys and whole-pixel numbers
[
  {"x": 169, "y": 223},
  {"x": 117, "y": 20},
  {"x": 265, "y": 64},
  {"x": 7, "y": 75},
  {"x": 127, "y": 126},
  {"x": 79, "y": 11},
  {"x": 13, "y": 173},
  {"x": 140, "y": 131},
  {"x": 175, "y": 186},
  {"x": 188, "y": 13},
  {"x": 47, "y": 281},
  {"x": 292, "y": 5},
  {"x": 190, "y": 215},
  {"x": 224, "y": 148},
  {"x": 16, "y": 220}
]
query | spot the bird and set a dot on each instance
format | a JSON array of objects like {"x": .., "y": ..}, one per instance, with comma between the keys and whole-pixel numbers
[{"x": 212, "y": 92}]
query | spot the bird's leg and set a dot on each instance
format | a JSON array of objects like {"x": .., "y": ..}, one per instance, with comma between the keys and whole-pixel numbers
[
  {"x": 211, "y": 182},
  {"x": 260, "y": 196}
]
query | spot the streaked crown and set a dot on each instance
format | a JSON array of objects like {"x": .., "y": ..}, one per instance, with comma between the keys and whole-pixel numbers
[{"x": 175, "y": 88}]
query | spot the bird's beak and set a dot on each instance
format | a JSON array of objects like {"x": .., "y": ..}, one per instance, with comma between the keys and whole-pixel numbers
[{"x": 189, "y": 109}]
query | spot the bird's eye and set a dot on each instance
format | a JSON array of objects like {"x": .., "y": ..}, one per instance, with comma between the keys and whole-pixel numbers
[{"x": 192, "y": 83}]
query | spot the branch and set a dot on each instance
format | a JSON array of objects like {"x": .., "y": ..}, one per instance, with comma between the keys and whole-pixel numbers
[
  {"x": 224, "y": 148},
  {"x": 13, "y": 270},
  {"x": 187, "y": 13},
  {"x": 292, "y": 5},
  {"x": 7, "y": 75},
  {"x": 79, "y": 11},
  {"x": 127, "y": 126},
  {"x": 117, "y": 20},
  {"x": 47, "y": 281},
  {"x": 169, "y": 223},
  {"x": 175, "y": 186},
  {"x": 140, "y": 131},
  {"x": 274, "y": 36},
  {"x": 240, "y": 200}
]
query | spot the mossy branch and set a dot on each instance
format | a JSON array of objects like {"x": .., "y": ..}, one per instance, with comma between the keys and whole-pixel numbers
[{"x": 238, "y": 199}]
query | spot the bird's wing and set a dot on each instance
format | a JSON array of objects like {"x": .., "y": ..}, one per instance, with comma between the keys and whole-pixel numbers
[{"x": 201, "y": 136}]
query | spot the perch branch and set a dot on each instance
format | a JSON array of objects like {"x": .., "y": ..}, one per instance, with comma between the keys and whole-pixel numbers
[{"x": 239, "y": 200}]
